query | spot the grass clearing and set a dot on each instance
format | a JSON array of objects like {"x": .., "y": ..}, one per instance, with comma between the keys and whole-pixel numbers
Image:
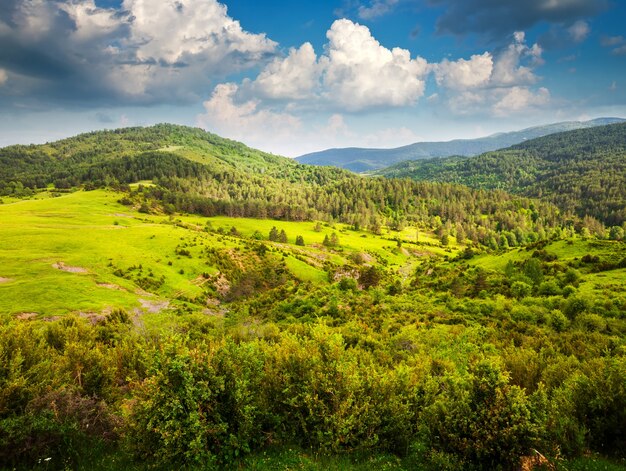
[{"x": 65, "y": 254}]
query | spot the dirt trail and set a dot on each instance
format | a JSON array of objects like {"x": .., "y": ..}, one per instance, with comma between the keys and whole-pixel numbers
[{"x": 63, "y": 267}]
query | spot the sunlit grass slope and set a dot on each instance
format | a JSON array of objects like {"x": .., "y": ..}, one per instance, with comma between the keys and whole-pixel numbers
[{"x": 65, "y": 254}]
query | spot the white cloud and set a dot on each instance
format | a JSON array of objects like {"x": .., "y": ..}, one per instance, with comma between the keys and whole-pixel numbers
[
  {"x": 246, "y": 121},
  {"x": 493, "y": 83},
  {"x": 355, "y": 73},
  {"x": 461, "y": 74},
  {"x": 292, "y": 78},
  {"x": 180, "y": 30},
  {"x": 579, "y": 31},
  {"x": 508, "y": 71},
  {"x": 518, "y": 99},
  {"x": 361, "y": 73}
]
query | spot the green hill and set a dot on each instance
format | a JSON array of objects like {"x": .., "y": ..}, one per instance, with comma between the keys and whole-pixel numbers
[
  {"x": 582, "y": 171},
  {"x": 198, "y": 172}
]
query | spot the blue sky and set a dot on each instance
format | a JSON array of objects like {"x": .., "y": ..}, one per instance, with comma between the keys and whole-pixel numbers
[{"x": 295, "y": 77}]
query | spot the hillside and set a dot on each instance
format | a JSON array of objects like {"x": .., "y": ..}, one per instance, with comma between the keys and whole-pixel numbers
[
  {"x": 119, "y": 328},
  {"x": 197, "y": 172},
  {"x": 173, "y": 300},
  {"x": 366, "y": 160},
  {"x": 582, "y": 171}
]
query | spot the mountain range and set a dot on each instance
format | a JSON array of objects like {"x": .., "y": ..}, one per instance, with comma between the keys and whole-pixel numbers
[{"x": 363, "y": 160}]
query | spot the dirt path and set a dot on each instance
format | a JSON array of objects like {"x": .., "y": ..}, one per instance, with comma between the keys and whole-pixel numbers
[{"x": 63, "y": 267}]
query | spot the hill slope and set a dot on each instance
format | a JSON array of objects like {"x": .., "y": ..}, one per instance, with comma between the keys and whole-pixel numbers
[
  {"x": 582, "y": 171},
  {"x": 365, "y": 160},
  {"x": 197, "y": 172}
]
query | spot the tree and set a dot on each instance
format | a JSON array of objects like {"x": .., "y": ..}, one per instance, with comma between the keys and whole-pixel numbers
[
  {"x": 300, "y": 240},
  {"x": 318, "y": 227},
  {"x": 445, "y": 239},
  {"x": 533, "y": 270},
  {"x": 616, "y": 233},
  {"x": 274, "y": 234},
  {"x": 370, "y": 276},
  {"x": 282, "y": 236}
]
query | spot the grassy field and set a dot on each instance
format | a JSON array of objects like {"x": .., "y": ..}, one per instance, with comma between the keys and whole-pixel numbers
[{"x": 61, "y": 254}]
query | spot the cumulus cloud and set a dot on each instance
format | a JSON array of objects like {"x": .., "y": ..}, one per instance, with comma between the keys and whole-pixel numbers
[
  {"x": 142, "y": 52},
  {"x": 462, "y": 73},
  {"x": 354, "y": 73},
  {"x": 497, "y": 83},
  {"x": 359, "y": 72},
  {"x": 518, "y": 99},
  {"x": 245, "y": 121},
  {"x": 294, "y": 77},
  {"x": 498, "y": 19}
]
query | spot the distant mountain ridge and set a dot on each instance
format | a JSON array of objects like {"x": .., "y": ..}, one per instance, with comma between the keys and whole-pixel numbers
[{"x": 365, "y": 160}]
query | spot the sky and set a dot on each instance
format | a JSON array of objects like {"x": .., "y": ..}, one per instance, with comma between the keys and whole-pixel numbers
[{"x": 292, "y": 77}]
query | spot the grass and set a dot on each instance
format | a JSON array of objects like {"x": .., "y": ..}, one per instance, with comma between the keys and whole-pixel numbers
[{"x": 94, "y": 237}]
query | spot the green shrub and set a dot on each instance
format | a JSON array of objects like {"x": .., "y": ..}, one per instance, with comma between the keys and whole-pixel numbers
[{"x": 482, "y": 419}]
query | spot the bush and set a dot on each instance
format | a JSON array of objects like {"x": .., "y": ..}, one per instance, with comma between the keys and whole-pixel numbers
[
  {"x": 482, "y": 419},
  {"x": 520, "y": 290}
]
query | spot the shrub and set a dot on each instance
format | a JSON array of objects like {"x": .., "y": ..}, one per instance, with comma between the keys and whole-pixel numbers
[
  {"x": 482, "y": 419},
  {"x": 519, "y": 289}
]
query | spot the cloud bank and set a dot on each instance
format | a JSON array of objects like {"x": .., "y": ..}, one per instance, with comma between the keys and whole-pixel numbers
[{"x": 144, "y": 52}]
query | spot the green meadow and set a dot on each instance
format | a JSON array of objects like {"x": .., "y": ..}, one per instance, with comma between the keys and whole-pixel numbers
[{"x": 60, "y": 254}]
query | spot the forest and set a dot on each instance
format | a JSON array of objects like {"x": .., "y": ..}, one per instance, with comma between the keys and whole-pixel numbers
[
  {"x": 173, "y": 300},
  {"x": 581, "y": 171}
]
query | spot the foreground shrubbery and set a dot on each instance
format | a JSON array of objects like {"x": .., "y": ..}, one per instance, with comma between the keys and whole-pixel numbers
[{"x": 67, "y": 386}]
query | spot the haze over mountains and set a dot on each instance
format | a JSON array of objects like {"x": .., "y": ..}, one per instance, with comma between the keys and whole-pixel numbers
[{"x": 366, "y": 160}]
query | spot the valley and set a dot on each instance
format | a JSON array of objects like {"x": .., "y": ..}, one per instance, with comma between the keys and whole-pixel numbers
[{"x": 169, "y": 298}]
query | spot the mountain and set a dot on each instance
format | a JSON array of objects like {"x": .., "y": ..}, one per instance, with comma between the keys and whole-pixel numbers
[
  {"x": 581, "y": 171},
  {"x": 365, "y": 160}
]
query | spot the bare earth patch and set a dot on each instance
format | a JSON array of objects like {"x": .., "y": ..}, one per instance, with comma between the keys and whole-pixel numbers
[
  {"x": 154, "y": 307},
  {"x": 111, "y": 286},
  {"x": 63, "y": 267},
  {"x": 5, "y": 280},
  {"x": 26, "y": 316}
]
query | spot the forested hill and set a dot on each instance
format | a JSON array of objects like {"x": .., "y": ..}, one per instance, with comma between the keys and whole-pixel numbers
[
  {"x": 61, "y": 162},
  {"x": 582, "y": 171},
  {"x": 366, "y": 160},
  {"x": 197, "y": 172}
]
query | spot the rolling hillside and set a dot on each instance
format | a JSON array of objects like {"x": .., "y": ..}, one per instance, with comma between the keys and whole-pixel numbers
[
  {"x": 366, "y": 160},
  {"x": 582, "y": 171},
  {"x": 173, "y": 300},
  {"x": 197, "y": 172}
]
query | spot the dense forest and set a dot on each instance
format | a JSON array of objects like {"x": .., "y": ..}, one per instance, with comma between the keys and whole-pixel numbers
[{"x": 581, "y": 171}]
